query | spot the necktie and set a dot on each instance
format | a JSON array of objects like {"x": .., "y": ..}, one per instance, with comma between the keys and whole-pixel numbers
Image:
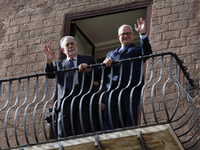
[
  {"x": 122, "y": 49},
  {"x": 70, "y": 75}
]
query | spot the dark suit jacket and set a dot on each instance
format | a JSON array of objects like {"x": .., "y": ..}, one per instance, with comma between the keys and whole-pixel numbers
[
  {"x": 130, "y": 51},
  {"x": 62, "y": 65}
]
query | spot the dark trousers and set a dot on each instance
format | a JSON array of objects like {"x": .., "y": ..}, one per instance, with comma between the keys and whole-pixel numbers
[
  {"x": 126, "y": 107},
  {"x": 73, "y": 118}
]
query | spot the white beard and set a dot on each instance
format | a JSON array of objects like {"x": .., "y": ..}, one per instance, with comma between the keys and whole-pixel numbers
[{"x": 71, "y": 52}]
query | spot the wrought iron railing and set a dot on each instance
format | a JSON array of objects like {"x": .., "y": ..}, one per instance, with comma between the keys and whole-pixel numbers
[{"x": 25, "y": 103}]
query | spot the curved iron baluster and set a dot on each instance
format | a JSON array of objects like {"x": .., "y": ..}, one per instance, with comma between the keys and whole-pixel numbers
[
  {"x": 181, "y": 115},
  {"x": 152, "y": 92},
  {"x": 191, "y": 146},
  {"x": 25, "y": 130},
  {"x": 63, "y": 101},
  {"x": 142, "y": 91},
  {"x": 16, "y": 111},
  {"x": 91, "y": 102},
  {"x": 102, "y": 94},
  {"x": 132, "y": 90},
  {"x": 190, "y": 127},
  {"x": 55, "y": 103},
  {"x": 110, "y": 95},
  {"x": 45, "y": 105},
  {"x": 6, "y": 117},
  {"x": 9, "y": 88},
  {"x": 194, "y": 108},
  {"x": 192, "y": 130},
  {"x": 120, "y": 93},
  {"x": 164, "y": 101},
  {"x": 182, "y": 87},
  {"x": 72, "y": 103},
  {"x": 81, "y": 101},
  {"x": 198, "y": 129},
  {"x": 192, "y": 135},
  {"x": 53, "y": 118},
  {"x": 16, "y": 101},
  {"x": 179, "y": 92},
  {"x": 35, "y": 108}
]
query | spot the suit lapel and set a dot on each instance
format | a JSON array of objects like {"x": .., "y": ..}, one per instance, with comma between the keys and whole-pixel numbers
[
  {"x": 65, "y": 65},
  {"x": 79, "y": 60},
  {"x": 126, "y": 48}
]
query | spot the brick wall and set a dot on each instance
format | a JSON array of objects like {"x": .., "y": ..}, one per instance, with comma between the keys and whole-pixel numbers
[
  {"x": 25, "y": 26},
  {"x": 175, "y": 26}
]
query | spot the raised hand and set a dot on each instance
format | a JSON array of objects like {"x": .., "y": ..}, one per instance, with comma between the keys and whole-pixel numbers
[
  {"x": 140, "y": 28},
  {"x": 49, "y": 55}
]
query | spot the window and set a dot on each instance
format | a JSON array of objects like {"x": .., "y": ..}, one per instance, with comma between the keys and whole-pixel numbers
[
  {"x": 85, "y": 46},
  {"x": 96, "y": 32}
]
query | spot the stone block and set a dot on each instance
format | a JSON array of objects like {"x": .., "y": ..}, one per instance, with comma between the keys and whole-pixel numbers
[
  {"x": 159, "y": 28},
  {"x": 193, "y": 40},
  {"x": 160, "y": 45},
  {"x": 159, "y": 5},
  {"x": 180, "y": 9},
  {"x": 190, "y": 31},
  {"x": 29, "y": 42},
  {"x": 187, "y": 15},
  {"x": 31, "y": 26},
  {"x": 11, "y": 30},
  {"x": 174, "y": 3},
  {"x": 19, "y": 20},
  {"x": 156, "y": 20},
  {"x": 170, "y": 18},
  {"x": 170, "y": 35},
  {"x": 161, "y": 12},
  {"x": 52, "y": 22},
  {"x": 178, "y": 25},
  {"x": 177, "y": 43}
]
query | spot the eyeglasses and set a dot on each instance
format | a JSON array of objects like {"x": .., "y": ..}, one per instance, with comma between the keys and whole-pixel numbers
[{"x": 127, "y": 34}]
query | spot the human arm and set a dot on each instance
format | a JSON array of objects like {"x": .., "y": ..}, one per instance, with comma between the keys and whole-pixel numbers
[
  {"x": 141, "y": 29},
  {"x": 86, "y": 61},
  {"x": 108, "y": 61},
  {"x": 49, "y": 55},
  {"x": 84, "y": 66}
]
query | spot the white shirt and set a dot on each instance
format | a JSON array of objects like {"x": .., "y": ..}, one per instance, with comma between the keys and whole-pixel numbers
[{"x": 143, "y": 36}]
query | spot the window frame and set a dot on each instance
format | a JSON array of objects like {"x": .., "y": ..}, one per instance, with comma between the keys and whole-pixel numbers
[{"x": 72, "y": 17}]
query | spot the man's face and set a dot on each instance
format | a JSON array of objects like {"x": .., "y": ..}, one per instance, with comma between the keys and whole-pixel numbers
[
  {"x": 125, "y": 35},
  {"x": 69, "y": 47}
]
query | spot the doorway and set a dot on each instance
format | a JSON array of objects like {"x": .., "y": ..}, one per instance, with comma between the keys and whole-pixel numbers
[{"x": 96, "y": 32}]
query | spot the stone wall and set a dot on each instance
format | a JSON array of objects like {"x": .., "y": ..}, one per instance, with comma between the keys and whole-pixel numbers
[
  {"x": 26, "y": 26},
  {"x": 175, "y": 26}
]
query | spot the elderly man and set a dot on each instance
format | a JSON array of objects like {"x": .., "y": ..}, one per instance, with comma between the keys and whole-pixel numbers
[
  {"x": 125, "y": 51},
  {"x": 69, "y": 48}
]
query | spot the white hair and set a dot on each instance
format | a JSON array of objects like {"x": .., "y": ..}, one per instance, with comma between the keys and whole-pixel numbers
[
  {"x": 61, "y": 41},
  {"x": 124, "y": 26}
]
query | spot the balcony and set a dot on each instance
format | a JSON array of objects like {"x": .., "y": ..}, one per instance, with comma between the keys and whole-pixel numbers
[{"x": 168, "y": 117}]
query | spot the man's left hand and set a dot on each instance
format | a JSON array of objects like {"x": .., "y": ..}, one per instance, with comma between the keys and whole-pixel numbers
[
  {"x": 140, "y": 28},
  {"x": 84, "y": 66}
]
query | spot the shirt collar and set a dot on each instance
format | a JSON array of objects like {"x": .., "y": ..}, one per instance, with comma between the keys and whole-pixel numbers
[{"x": 74, "y": 58}]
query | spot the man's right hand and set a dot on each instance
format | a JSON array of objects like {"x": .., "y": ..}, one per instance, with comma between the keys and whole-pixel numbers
[
  {"x": 108, "y": 61},
  {"x": 49, "y": 55}
]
